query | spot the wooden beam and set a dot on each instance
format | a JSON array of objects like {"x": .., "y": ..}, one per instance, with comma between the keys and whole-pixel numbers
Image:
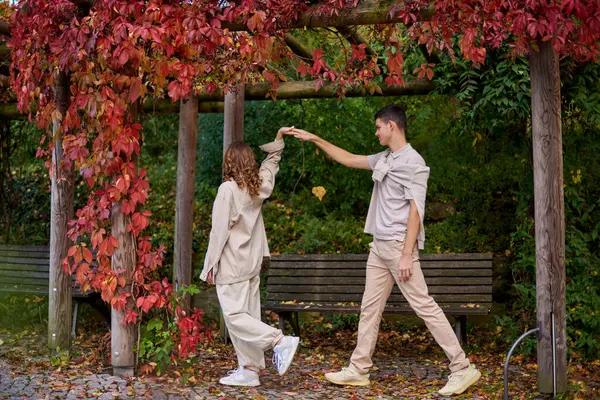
[
  {"x": 184, "y": 210},
  {"x": 549, "y": 215},
  {"x": 211, "y": 103},
  {"x": 161, "y": 106},
  {"x": 368, "y": 12},
  {"x": 306, "y": 90},
  {"x": 233, "y": 119},
  {"x": 61, "y": 212},
  {"x": 298, "y": 47},
  {"x": 165, "y": 106},
  {"x": 354, "y": 37}
]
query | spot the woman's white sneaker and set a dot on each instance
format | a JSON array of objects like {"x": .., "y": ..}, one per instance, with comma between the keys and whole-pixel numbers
[
  {"x": 240, "y": 377},
  {"x": 284, "y": 352}
]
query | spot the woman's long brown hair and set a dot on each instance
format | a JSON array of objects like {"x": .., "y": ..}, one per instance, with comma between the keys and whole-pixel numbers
[{"x": 240, "y": 165}]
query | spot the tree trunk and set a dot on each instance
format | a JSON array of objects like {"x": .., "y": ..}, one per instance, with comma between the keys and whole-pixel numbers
[
  {"x": 233, "y": 126},
  {"x": 549, "y": 215},
  {"x": 123, "y": 336},
  {"x": 184, "y": 211},
  {"x": 61, "y": 211}
]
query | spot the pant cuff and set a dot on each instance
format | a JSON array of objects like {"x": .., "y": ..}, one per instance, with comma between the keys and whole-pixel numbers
[
  {"x": 352, "y": 367},
  {"x": 461, "y": 366},
  {"x": 278, "y": 337}
]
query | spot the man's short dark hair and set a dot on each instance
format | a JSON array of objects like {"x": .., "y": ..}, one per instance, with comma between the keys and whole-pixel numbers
[{"x": 392, "y": 113}]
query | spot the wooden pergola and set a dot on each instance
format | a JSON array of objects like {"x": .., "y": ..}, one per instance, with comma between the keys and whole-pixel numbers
[{"x": 548, "y": 179}]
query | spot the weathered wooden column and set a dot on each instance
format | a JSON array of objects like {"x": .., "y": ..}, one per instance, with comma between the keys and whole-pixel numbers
[
  {"x": 549, "y": 214},
  {"x": 184, "y": 211},
  {"x": 233, "y": 124},
  {"x": 61, "y": 211},
  {"x": 124, "y": 258}
]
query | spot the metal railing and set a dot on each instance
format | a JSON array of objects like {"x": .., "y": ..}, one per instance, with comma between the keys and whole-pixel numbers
[{"x": 514, "y": 346}]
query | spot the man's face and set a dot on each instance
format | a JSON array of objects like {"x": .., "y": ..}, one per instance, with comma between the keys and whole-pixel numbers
[{"x": 383, "y": 132}]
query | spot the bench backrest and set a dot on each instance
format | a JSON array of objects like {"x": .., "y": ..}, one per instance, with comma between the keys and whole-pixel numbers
[
  {"x": 455, "y": 281},
  {"x": 24, "y": 269}
]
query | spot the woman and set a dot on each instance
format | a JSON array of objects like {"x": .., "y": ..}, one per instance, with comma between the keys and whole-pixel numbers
[{"x": 235, "y": 252}]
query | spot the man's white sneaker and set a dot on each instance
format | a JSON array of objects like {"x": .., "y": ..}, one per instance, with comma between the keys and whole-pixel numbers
[
  {"x": 347, "y": 376},
  {"x": 240, "y": 377},
  {"x": 460, "y": 381},
  {"x": 284, "y": 353}
]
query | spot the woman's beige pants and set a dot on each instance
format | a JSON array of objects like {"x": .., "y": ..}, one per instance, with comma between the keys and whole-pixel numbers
[{"x": 240, "y": 303}]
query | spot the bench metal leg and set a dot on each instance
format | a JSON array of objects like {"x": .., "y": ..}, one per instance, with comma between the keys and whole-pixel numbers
[
  {"x": 282, "y": 318},
  {"x": 461, "y": 329},
  {"x": 74, "y": 321},
  {"x": 294, "y": 323},
  {"x": 223, "y": 331}
]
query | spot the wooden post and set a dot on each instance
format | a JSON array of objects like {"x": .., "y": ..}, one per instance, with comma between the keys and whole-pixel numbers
[
  {"x": 184, "y": 211},
  {"x": 61, "y": 211},
  {"x": 123, "y": 336},
  {"x": 549, "y": 214},
  {"x": 233, "y": 126}
]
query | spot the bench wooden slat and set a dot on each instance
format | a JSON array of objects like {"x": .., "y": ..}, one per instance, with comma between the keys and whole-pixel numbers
[
  {"x": 25, "y": 267},
  {"x": 362, "y": 264},
  {"x": 357, "y": 297},
  {"x": 24, "y": 274},
  {"x": 362, "y": 272},
  {"x": 14, "y": 288},
  {"x": 20, "y": 281},
  {"x": 29, "y": 254},
  {"x": 24, "y": 260},
  {"x": 9, "y": 247},
  {"x": 363, "y": 257},
  {"x": 451, "y": 308},
  {"x": 353, "y": 289},
  {"x": 431, "y": 281}
]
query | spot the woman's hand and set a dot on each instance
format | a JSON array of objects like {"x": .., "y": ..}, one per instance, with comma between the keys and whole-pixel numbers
[{"x": 284, "y": 130}]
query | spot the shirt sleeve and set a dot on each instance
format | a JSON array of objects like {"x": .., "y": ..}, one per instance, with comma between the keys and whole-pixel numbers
[
  {"x": 373, "y": 158},
  {"x": 219, "y": 233},
  {"x": 270, "y": 167}
]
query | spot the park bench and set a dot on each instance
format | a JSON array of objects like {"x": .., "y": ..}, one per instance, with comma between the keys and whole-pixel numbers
[
  {"x": 26, "y": 269},
  {"x": 460, "y": 283}
]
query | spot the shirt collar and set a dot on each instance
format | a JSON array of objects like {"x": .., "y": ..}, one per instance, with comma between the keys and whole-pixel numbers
[{"x": 401, "y": 151}]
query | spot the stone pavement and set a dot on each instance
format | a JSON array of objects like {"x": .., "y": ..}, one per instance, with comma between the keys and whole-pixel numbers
[{"x": 305, "y": 383}]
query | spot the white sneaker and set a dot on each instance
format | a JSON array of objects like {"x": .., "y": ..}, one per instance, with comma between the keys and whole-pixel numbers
[
  {"x": 347, "y": 376},
  {"x": 460, "y": 381},
  {"x": 240, "y": 377},
  {"x": 284, "y": 353}
]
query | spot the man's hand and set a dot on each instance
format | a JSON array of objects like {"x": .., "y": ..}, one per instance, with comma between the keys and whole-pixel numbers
[
  {"x": 405, "y": 267},
  {"x": 209, "y": 278},
  {"x": 284, "y": 130},
  {"x": 302, "y": 134}
]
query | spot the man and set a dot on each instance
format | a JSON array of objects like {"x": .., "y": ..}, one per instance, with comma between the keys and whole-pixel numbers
[{"x": 395, "y": 219}]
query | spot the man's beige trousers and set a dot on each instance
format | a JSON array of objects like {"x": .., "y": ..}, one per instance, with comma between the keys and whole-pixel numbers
[
  {"x": 240, "y": 303},
  {"x": 382, "y": 272}
]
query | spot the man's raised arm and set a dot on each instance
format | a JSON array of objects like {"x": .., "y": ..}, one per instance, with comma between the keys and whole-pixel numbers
[{"x": 338, "y": 154}]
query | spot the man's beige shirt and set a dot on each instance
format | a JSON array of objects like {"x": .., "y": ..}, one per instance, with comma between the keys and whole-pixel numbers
[
  {"x": 398, "y": 177},
  {"x": 238, "y": 241}
]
